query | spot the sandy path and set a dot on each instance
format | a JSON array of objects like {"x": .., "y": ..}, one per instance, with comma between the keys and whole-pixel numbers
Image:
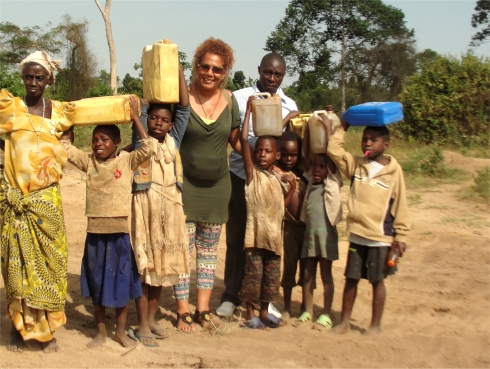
[{"x": 437, "y": 312}]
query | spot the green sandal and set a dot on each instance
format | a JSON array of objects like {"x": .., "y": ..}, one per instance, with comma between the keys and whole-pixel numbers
[
  {"x": 323, "y": 323},
  {"x": 303, "y": 320}
]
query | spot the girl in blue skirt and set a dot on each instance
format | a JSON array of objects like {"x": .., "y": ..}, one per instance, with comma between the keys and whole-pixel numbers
[{"x": 109, "y": 274}]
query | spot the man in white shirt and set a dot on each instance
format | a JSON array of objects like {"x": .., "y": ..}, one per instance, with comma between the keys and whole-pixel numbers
[{"x": 271, "y": 73}]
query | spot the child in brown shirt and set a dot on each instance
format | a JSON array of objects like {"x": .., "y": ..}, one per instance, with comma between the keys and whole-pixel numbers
[
  {"x": 263, "y": 236},
  {"x": 109, "y": 274}
]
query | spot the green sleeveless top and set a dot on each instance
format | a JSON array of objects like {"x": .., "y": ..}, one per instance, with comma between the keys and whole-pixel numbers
[{"x": 207, "y": 186}]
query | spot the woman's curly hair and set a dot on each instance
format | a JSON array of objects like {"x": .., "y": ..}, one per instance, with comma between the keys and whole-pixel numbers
[{"x": 217, "y": 47}]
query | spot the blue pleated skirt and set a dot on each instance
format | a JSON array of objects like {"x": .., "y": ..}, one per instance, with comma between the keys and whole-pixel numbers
[{"x": 109, "y": 274}]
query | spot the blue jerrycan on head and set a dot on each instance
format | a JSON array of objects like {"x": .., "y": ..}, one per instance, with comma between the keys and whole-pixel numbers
[{"x": 374, "y": 114}]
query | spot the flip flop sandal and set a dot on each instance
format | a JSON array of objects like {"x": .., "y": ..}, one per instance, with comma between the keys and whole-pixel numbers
[
  {"x": 206, "y": 320},
  {"x": 138, "y": 337},
  {"x": 323, "y": 323},
  {"x": 187, "y": 319},
  {"x": 304, "y": 319},
  {"x": 254, "y": 323},
  {"x": 273, "y": 321},
  {"x": 160, "y": 333}
]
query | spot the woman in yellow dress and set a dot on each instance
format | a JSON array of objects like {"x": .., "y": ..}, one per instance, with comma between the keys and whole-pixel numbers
[{"x": 33, "y": 249}]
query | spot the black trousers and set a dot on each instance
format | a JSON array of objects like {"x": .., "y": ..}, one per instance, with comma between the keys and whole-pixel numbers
[{"x": 235, "y": 235}]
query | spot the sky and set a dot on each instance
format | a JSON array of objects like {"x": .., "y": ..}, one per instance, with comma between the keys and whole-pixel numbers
[{"x": 440, "y": 25}]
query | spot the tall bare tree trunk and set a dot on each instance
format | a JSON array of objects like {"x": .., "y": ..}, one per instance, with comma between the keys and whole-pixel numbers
[
  {"x": 342, "y": 59},
  {"x": 110, "y": 40}
]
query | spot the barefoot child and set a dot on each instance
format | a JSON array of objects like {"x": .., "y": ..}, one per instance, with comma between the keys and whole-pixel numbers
[
  {"x": 263, "y": 236},
  {"x": 377, "y": 219},
  {"x": 293, "y": 227},
  {"x": 159, "y": 232},
  {"x": 109, "y": 275},
  {"x": 322, "y": 211}
]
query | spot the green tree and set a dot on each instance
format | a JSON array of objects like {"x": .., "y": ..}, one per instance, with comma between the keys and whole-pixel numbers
[
  {"x": 379, "y": 71},
  {"x": 311, "y": 96},
  {"x": 16, "y": 43},
  {"x": 426, "y": 56},
  {"x": 131, "y": 85},
  {"x": 239, "y": 79},
  {"x": 314, "y": 33},
  {"x": 100, "y": 86},
  {"x": 481, "y": 18},
  {"x": 447, "y": 101},
  {"x": 11, "y": 81},
  {"x": 183, "y": 60}
]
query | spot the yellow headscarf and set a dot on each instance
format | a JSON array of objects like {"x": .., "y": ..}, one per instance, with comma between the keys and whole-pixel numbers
[{"x": 42, "y": 58}]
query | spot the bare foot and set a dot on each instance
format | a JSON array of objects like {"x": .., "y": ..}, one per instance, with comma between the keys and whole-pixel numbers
[
  {"x": 341, "y": 328},
  {"x": 15, "y": 343},
  {"x": 263, "y": 315},
  {"x": 185, "y": 323},
  {"x": 285, "y": 315},
  {"x": 124, "y": 340},
  {"x": 372, "y": 331},
  {"x": 98, "y": 341},
  {"x": 50, "y": 346}
]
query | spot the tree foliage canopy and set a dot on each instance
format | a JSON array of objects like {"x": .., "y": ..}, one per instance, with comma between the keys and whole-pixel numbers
[
  {"x": 362, "y": 46},
  {"x": 447, "y": 100},
  {"x": 481, "y": 17},
  {"x": 239, "y": 81},
  {"x": 11, "y": 81},
  {"x": 311, "y": 33},
  {"x": 16, "y": 43}
]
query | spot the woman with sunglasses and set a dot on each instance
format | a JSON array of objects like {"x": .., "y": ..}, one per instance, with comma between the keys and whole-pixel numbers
[{"x": 214, "y": 122}]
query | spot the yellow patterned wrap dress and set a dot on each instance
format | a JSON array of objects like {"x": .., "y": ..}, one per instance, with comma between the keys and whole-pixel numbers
[{"x": 33, "y": 249}]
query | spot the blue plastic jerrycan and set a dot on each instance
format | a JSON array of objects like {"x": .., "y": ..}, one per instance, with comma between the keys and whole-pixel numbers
[{"x": 374, "y": 114}]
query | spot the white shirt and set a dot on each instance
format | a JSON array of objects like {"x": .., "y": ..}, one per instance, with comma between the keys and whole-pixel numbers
[
  {"x": 241, "y": 96},
  {"x": 374, "y": 168}
]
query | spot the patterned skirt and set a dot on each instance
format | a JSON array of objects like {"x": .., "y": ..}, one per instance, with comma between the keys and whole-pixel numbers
[{"x": 33, "y": 256}]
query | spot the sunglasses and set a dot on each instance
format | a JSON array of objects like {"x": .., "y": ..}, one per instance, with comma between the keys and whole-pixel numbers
[{"x": 216, "y": 70}]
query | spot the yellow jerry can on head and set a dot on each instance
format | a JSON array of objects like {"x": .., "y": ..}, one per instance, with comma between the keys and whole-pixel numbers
[
  {"x": 103, "y": 110},
  {"x": 161, "y": 72}
]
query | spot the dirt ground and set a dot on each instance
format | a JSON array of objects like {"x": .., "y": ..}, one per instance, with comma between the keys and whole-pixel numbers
[{"x": 436, "y": 315}]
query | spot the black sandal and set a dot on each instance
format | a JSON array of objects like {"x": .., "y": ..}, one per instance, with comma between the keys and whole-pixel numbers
[
  {"x": 206, "y": 320},
  {"x": 187, "y": 319}
]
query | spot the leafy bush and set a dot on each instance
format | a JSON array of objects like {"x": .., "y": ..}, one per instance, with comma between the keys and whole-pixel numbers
[
  {"x": 11, "y": 81},
  {"x": 482, "y": 183},
  {"x": 427, "y": 161},
  {"x": 447, "y": 101}
]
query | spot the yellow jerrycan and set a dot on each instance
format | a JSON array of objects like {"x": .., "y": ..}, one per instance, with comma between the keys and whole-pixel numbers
[
  {"x": 318, "y": 135},
  {"x": 267, "y": 115},
  {"x": 103, "y": 110},
  {"x": 161, "y": 72},
  {"x": 298, "y": 125}
]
